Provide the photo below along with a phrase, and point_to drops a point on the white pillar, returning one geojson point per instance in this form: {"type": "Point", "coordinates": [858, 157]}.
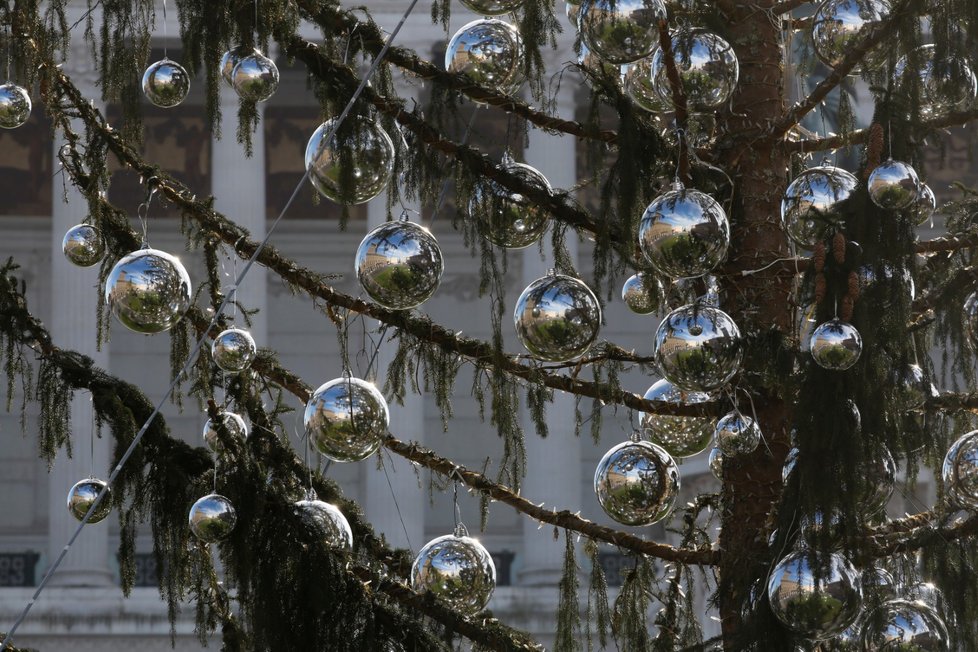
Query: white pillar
{"type": "Point", "coordinates": [554, 463]}
{"type": "Point", "coordinates": [238, 186]}
{"type": "Point", "coordinates": [74, 294]}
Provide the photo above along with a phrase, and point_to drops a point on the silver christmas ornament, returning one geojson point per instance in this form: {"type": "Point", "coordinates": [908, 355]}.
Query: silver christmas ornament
{"type": "Point", "coordinates": [684, 233]}
{"type": "Point", "coordinates": [492, 7]}
{"type": "Point", "coordinates": [812, 204]}
{"type": "Point", "coordinates": [737, 434]}
{"type": "Point", "coordinates": [508, 218]}
{"type": "Point", "coordinates": [806, 326]}
{"type": "Point", "coordinates": [637, 293]}
{"type": "Point", "coordinates": [327, 520]}
{"type": "Point", "coordinates": [212, 518]}
{"type": "Point", "coordinates": [960, 471]}
{"type": "Point", "coordinates": [893, 185]}
{"type": "Point", "coordinates": [838, 25]}
{"type": "Point", "coordinates": [233, 350]}
{"type": "Point", "coordinates": [815, 597]}
{"type": "Point", "coordinates": [876, 481]}
{"type": "Point", "coordinates": [621, 31]}
{"type": "Point", "coordinates": [233, 424]}
{"type": "Point", "coordinates": [166, 83]}
{"type": "Point", "coordinates": [490, 52]}
{"type": "Point", "coordinates": [707, 66]}
{"type": "Point", "coordinates": [925, 205]}
{"type": "Point", "coordinates": [716, 463]}
{"type": "Point", "coordinates": [399, 264]}
{"type": "Point", "coordinates": [970, 319]}
{"type": "Point", "coordinates": [878, 582]}
{"type": "Point", "coordinates": [905, 626]}
{"type": "Point", "coordinates": [255, 77]}
{"type": "Point", "coordinates": [82, 496]}
{"type": "Point", "coordinates": [573, 12]}
{"type": "Point", "coordinates": [557, 318]}
{"type": "Point", "coordinates": [230, 59]}
{"type": "Point", "coordinates": [456, 569]}
{"type": "Point", "coordinates": [790, 462]}
{"type": "Point", "coordinates": [942, 84]}
{"type": "Point", "coordinates": [898, 277]}
{"type": "Point", "coordinates": [698, 348]}
{"type": "Point", "coordinates": [637, 483]}
{"type": "Point", "coordinates": [836, 345]}
{"type": "Point", "coordinates": [640, 86]}
{"type": "Point", "coordinates": [927, 593]}
{"type": "Point", "coordinates": [148, 290]}
{"type": "Point", "coordinates": [346, 419]}
{"type": "Point", "coordinates": [354, 166]}
{"type": "Point", "coordinates": [83, 245]}
{"type": "Point", "coordinates": [598, 66]}
{"type": "Point", "coordinates": [15, 105]}
{"type": "Point", "coordinates": [911, 387]}
{"type": "Point", "coordinates": [680, 436]}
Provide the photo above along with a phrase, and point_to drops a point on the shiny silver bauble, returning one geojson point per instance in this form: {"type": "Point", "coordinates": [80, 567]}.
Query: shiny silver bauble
{"type": "Point", "coordinates": [698, 348]}
{"type": "Point", "coordinates": [640, 86]}
{"type": "Point", "coordinates": [573, 12]}
{"type": "Point", "coordinates": [680, 436]}
{"type": "Point", "coordinates": [621, 31]}
{"type": "Point", "coordinates": [82, 496]}
{"type": "Point", "coordinates": [707, 66]}
{"type": "Point", "coordinates": [838, 25]}
{"type": "Point", "coordinates": [716, 463]}
{"type": "Point", "coordinates": [15, 105]}
{"type": "Point", "coordinates": [893, 185]}
{"type": "Point", "coordinates": [233, 350]}
{"type": "Point", "coordinates": [925, 205]}
{"type": "Point", "coordinates": [836, 345]}
{"type": "Point", "coordinates": [212, 518]}
{"type": "Point", "coordinates": [346, 419]}
{"type": "Point", "coordinates": [354, 166]}
{"type": "Point", "coordinates": [944, 85]}
{"type": "Point", "coordinates": [457, 570]}
{"type": "Point", "coordinates": [166, 83]}
{"type": "Point", "coordinates": [234, 425]}
{"type": "Point", "coordinates": [255, 77]}
{"type": "Point", "coordinates": [876, 480]}
{"type": "Point", "coordinates": [557, 318]}
{"type": "Point", "coordinates": [637, 483]}
{"type": "Point", "coordinates": [684, 233]}
{"type": "Point", "coordinates": [969, 317]}
{"type": "Point", "coordinates": [597, 66]}
{"type": "Point", "coordinates": [737, 434]}
{"type": "Point", "coordinates": [327, 520]}
{"type": "Point", "coordinates": [399, 264]}
{"type": "Point", "coordinates": [812, 204]}
{"type": "Point", "coordinates": [508, 218]}
{"type": "Point", "coordinates": [960, 471]}
{"type": "Point", "coordinates": [148, 290]}
{"type": "Point", "coordinates": [790, 462]}
{"type": "Point", "coordinates": [492, 7]}
{"type": "Point", "coordinates": [638, 293]}
{"type": "Point", "coordinates": [490, 52]}
{"type": "Point", "coordinates": [815, 597]}
{"type": "Point", "coordinates": [899, 278]}
{"type": "Point", "coordinates": [230, 59]}
{"type": "Point", "coordinates": [911, 387]}
{"type": "Point", "coordinates": [83, 245]}
{"type": "Point", "coordinates": [905, 626]}
{"type": "Point", "coordinates": [878, 583]}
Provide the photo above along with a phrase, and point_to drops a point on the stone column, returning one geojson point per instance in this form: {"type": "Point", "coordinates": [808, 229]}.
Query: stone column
{"type": "Point", "coordinates": [553, 464]}
{"type": "Point", "coordinates": [74, 294]}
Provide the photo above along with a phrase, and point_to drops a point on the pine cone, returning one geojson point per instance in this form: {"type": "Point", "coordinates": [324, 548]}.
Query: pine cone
{"type": "Point", "coordinates": [839, 247]}
{"type": "Point", "coordinates": [819, 257]}
{"type": "Point", "coordinates": [819, 287]}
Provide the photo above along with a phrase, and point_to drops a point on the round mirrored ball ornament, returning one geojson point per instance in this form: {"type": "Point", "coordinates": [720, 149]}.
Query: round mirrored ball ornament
{"type": "Point", "coordinates": [490, 52]}
{"type": "Point", "coordinates": [82, 496]}
{"type": "Point", "coordinates": [346, 419]}
{"type": "Point", "coordinates": [233, 424]}
{"type": "Point", "coordinates": [492, 7]}
{"type": "Point", "coordinates": [621, 31]}
{"type": "Point", "coordinates": [737, 434]}
{"type": "Point", "coordinates": [640, 86]}
{"type": "Point", "coordinates": [457, 570]}
{"type": "Point", "coordinates": [838, 25]}
{"type": "Point", "coordinates": [399, 265]}
{"type": "Point", "coordinates": [680, 436]}
{"type": "Point", "coordinates": [212, 518]}
{"type": "Point", "coordinates": [815, 598]}
{"type": "Point", "coordinates": [925, 205]}
{"type": "Point", "coordinates": [83, 245]}
{"type": "Point", "coordinates": [255, 77]}
{"type": "Point", "coordinates": [960, 471]}
{"type": "Point", "coordinates": [684, 233]}
{"type": "Point", "coordinates": [698, 348]}
{"type": "Point", "coordinates": [166, 83]}
{"type": "Point", "coordinates": [911, 388]}
{"type": "Point", "coordinates": [327, 520]}
{"type": "Point", "coordinates": [637, 483]}
{"type": "Point", "coordinates": [716, 463]}
{"type": "Point", "coordinates": [15, 105]}
{"type": "Point", "coordinates": [233, 350]}
{"type": "Point", "coordinates": [904, 625]}
{"type": "Point", "coordinates": [812, 204]}
{"type": "Point", "coordinates": [969, 317]}
{"type": "Point", "coordinates": [639, 292]}
{"type": "Point", "coordinates": [875, 481]}
{"type": "Point", "coordinates": [148, 290]}
{"type": "Point", "coordinates": [557, 318]}
{"type": "Point", "coordinates": [836, 345]}
{"type": "Point", "coordinates": [230, 59]}
{"type": "Point", "coordinates": [707, 67]}
{"type": "Point", "coordinates": [893, 185]}
{"type": "Point", "coordinates": [509, 219]}
{"type": "Point", "coordinates": [941, 85]}
{"type": "Point", "coordinates": [354, 166]}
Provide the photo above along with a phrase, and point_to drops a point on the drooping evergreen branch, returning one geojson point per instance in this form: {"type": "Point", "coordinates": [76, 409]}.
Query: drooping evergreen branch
{"type": "Point", "coordinates": [961, 279]}
{"type": "Point", "coordinates": [953, 242]}
{"type": "Point", "coordinates": [787, 6]}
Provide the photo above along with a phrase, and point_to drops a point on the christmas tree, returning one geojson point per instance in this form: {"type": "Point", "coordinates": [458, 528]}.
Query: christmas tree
{"type": "Point", "coordinates": [799, 312]}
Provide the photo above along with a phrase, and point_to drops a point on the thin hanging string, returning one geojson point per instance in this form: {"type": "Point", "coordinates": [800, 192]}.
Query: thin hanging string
{"type": "Point", "coordinates": [191, 358]}
{"type": "Point", "coordinates": [459, 526]}
{"type": "Point", "coordinates": [142, 212]}
{"type": "Point", "coordinates": [6, 33]}
{"type": "Point", "coordinates": [383, 465]}
{"type": "Point", "coordinates": [91, 449]}
{"type": "Point", "coordinates": [165, 38]}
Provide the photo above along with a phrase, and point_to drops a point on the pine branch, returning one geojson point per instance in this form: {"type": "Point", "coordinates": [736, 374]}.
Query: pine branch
{"type": "Point", "coordinates": [963, 278]}
{"type": "Point", "coordinates": [954, 402]}
{"type": "Point", "coordinates": [918, 532]}
{"type": "Point", "coordinates": [787, 6]}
